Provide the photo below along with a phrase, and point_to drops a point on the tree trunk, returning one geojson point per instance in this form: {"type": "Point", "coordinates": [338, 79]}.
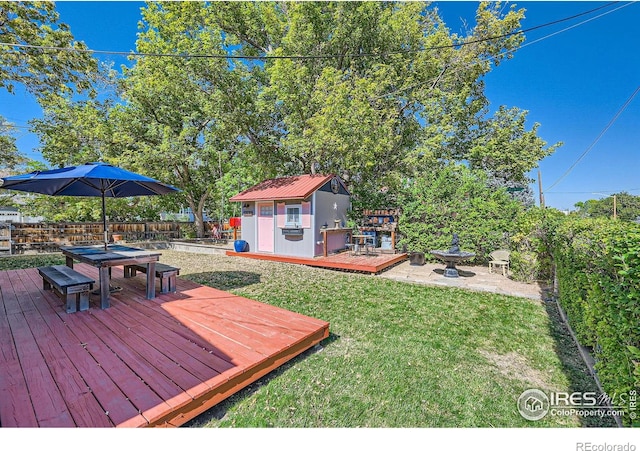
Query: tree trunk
{"type": "Point", "coordinates": [198, 215]}
{"type": "Point", "coordinates": [199, 223]}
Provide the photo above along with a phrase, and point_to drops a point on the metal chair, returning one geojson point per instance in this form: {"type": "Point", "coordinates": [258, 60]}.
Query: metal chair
{"type": "Point", "coordinates": [500, 259]}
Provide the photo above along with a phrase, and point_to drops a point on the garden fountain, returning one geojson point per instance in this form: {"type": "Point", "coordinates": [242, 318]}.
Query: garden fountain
{"type": "Point", "coordinates": [452, 256]}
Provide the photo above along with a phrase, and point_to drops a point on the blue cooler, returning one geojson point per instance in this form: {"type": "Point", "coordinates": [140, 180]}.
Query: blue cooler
{"type": "Point", "coordinates": [240, 245]}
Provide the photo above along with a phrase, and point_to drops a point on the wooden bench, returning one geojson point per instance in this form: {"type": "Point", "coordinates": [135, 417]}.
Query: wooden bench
{"type": "Point", "coordinates": [71, 286]}
{"type": "Point", "coordinates": [167, 275]}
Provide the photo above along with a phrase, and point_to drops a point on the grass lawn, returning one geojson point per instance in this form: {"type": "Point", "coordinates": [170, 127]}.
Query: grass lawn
{"type": "Point", "coordinates": [399, 354]}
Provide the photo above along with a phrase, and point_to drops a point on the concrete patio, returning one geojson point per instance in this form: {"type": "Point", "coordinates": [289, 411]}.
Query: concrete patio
{"type": "Point", "coordinates": [471, 277]}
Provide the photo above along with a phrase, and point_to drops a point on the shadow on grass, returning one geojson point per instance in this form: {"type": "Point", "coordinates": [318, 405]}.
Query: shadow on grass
{"type": "Point", "coordinates": [225, 280]}
{"type": "Point", "coordinates": [573, 365]}
{"type": "Point", "coordinates": [219, 411]}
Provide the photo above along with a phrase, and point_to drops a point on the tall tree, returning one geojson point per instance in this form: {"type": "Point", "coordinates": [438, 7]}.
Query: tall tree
{"type": "Point", "coordinates": [377, 91]}
{"type": "Point", "coordinates": [39, 53]}
{"type": "Point", "coordinates": [77, 131]}
{"type": "Point", "coordinates": [330, 106]}
{"type": "Point", "coordinates": [627, 207]}
{"type": "Point", "coordinates": [9, 155]}
{"type": "Point", "coordinates": [506, 149]}
{"type": "Point", "coordinates": [183, 116]}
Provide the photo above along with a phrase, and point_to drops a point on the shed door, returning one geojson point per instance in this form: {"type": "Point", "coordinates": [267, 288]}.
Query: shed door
{"type": "Point", "coordinates": [265, 226]}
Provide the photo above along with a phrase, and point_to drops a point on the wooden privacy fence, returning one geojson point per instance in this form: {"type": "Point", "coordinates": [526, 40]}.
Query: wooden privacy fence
{"type": "Point", "coordinates": [48, 236]}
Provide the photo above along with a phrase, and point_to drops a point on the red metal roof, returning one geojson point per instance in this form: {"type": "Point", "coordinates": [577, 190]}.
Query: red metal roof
{"type": "Point", "coordinates": [295, 187]}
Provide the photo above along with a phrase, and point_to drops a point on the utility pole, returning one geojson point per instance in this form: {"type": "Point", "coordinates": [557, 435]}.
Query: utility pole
{"type": "Point", "coordinates": [540, 188]}
{"type": "Point", "coordinates": [615, 203]}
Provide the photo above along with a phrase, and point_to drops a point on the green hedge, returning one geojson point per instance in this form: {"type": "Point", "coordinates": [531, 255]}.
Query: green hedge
{"type": "Point", "coordinates": [531, 244]}
{"type": "Point", "coordinates": [458, 200]}
{"type": "Point", "coordinates": [598, 273]}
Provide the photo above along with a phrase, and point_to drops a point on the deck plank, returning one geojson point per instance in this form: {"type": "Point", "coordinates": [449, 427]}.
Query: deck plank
{"type": "Point", "coordinates": [145, 401]}
{"type": "Point", "coordinates": [372, 264]}
{"type": "Point", "coordinates": [167, 307]}
{"type": "Point", "coordinates": [15, 405]}
{"type": "Point", "coordinates": [196, 360]}
{"type": "Point", "coordinates": [164, 376]}
{"type": "Point", "coordinates": [82, 405]}
{"type": "Point", "coordinates": [142, 362]}
{"type": "Point", "coordinates": [114, 404]}
{"type": "Point", "coordinates": [48, 403]}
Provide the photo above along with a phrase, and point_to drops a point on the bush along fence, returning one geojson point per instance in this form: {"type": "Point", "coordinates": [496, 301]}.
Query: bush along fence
{"type": "Point", "coordinates": [598, 281]}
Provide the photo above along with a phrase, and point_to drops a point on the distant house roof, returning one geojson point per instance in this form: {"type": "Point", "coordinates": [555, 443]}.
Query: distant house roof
{"type": "Point", "coordinates": [8, 208]}
{"type": "Point", "coordinates": [295, 187]}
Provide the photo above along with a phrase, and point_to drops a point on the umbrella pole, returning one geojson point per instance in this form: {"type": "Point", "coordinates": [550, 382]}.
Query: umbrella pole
{"type": "Point", "coordinates": [104, 222]}
{"type": "Point", "coordinates": [112, 289]}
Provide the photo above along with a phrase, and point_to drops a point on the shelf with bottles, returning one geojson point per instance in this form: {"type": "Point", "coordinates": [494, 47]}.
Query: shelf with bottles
{"type": "Point", "coordinates": [384, 218]}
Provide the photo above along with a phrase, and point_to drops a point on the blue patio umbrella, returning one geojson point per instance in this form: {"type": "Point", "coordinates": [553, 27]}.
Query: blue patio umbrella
{"type": "Point", "coordinates": [88, 180]}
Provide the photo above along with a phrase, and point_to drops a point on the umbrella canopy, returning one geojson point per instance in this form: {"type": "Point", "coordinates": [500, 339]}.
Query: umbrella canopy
{"type": "Point", "coordinates": [89, 180]}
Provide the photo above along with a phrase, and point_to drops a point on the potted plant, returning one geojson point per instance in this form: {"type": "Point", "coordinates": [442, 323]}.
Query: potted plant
{"type": "Point", "coordinates": [416, 258]}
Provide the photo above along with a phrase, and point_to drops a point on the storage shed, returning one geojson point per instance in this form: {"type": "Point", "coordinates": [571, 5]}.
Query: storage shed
{"type": "Point", "coordinates": [301, 216]}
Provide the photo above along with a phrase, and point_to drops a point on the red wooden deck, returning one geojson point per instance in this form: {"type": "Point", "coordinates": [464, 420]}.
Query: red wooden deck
{"type": "Point", "coordinates": [142, 362]}
{"type": "Point", "coordinates": [344, 260]}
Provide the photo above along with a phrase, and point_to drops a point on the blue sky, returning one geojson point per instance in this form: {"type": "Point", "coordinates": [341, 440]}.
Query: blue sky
{"type": "Point", "coordinates": [573, 78]}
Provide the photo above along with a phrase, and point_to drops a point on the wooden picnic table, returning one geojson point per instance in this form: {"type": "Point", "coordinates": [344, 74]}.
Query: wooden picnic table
{"type": "Point", "coordinates": [115, 255]}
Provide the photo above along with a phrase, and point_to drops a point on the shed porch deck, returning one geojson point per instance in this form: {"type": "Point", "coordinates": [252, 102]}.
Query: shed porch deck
{"type": "Point", "coordinates": [141, 362]}
{"type": "Point", "coordinates": [344, 260]}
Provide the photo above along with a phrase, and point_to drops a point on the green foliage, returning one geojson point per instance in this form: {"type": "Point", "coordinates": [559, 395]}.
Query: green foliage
{"type": "Point", "coordinates": [531, 244]}
{"type": "Point", "coordinates": [89, 209]}
{"type": "Point", "coordinates": [627, 207]}
{"type": "Point", "coordinates": [40, 71]}
{"type": "Point", "coordinates": [506, 149]}
{"type": "Point", "coordinates": [184, 118]}
{"type": "Point", "coordinates": [456, 199]}
{"type": "Point", "coordinates": [393, 114]}
{"type": "Point", "coordinates": [77, 132]}
{"type": "Point", "coordinates": [598, 272]}
{"type": "Point", "coordinates": [9, 155]}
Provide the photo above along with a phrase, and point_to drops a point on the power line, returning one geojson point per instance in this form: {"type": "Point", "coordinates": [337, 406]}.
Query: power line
{"type": "Point", "coordinates": [611, 122]}
{"type": "Point", "coordinates": [601, 191]}
{"type": "Point", "coordinates": [575, 25]}
{"type": "Point", "coordinates": [301, 57]}
{"type": "Point", "coordinates": [10, 125]}
{"type": "Point", "coordinates": [495, 57]}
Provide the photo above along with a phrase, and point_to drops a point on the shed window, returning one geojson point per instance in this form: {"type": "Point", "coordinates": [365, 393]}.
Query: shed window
{"type": "Point", "coordinates": [266, 210]}
{"type": "Point", "coordinates": [293, 216]}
